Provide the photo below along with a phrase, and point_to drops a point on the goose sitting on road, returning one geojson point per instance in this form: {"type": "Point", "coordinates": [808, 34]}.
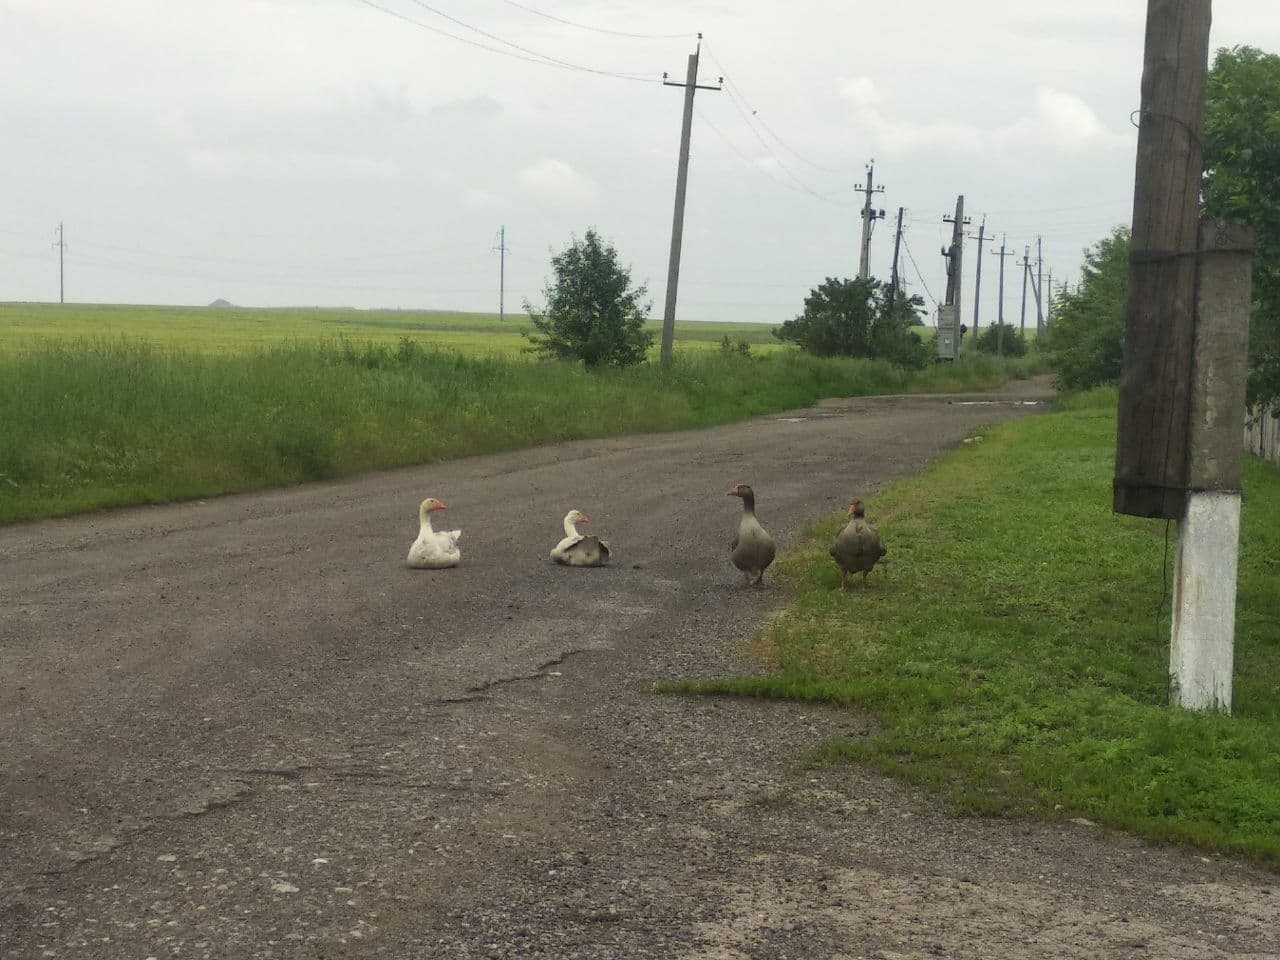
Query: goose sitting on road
{"type": "Point", "coordinates": [858, 547]}
{"type": "Point", "coordinates": [579, 549]}
{"type": "Point", "coordinates": [752, 548]}
{"type": "Point", "coordinates": [434, 549]}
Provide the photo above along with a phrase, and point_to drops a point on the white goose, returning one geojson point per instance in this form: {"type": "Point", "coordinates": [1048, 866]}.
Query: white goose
{"type": "Point", "coordinates": [434, 549]}
{"type": "Point", "coordinates": [578, 549]}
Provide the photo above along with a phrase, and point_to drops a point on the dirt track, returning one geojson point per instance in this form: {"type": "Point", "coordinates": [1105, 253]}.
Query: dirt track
{"type": "Point", "coordinates": [242, 728]}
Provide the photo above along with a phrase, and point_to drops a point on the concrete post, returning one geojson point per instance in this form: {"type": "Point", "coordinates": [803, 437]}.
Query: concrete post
{"type": "Point", "coordinates": [677, 223]}
{"type": "Point", "coordinates": [1204, 599]}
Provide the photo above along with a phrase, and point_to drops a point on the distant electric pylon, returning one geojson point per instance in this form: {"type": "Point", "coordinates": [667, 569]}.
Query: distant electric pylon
{"type": "Point", "coordinates": [61, 244]}
{"type": "Point", "coordinates": [502, 249]}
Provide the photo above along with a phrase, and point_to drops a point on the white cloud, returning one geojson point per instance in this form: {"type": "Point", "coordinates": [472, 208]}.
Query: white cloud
{"type": "Point", "coordinates": [1064, 120]}
{"type": "Point", "coordinates": [1058, 119]}
{"type": "Point", "coordinates": [555, 180]}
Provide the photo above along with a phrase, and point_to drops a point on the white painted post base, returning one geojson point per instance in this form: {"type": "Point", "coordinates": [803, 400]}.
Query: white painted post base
{"type": "Point", "coordinates": [1202, 655]}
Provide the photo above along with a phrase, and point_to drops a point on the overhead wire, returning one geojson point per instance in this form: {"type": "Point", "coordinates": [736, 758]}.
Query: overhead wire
{"type": "Point", "coordinates": [525, 54]}
{"type": "Point", "coordinates": [739, 106]}
{"type": "Point", "coordinates": [742, 156]}
{"type": "Point", "coordinates": [583, 26]}
{"type": "Point", "coordinates": [919, 276]}
{"type": "Point", "coordinates": [755, 114]}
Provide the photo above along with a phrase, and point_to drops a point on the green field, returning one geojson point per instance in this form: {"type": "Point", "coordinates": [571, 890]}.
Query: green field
{"type": "Point", "coordinates": [229, 329]}
{"type": "Point", "coordinates": [1009, 649]}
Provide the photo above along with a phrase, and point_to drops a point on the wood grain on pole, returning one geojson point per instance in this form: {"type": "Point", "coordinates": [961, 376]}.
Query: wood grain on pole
{"type": "Point", "coordinates": [1151, 473]}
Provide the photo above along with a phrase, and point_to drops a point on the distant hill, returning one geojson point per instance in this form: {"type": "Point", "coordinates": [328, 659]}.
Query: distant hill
{"type": "Point", "coordinates": [220, 303]}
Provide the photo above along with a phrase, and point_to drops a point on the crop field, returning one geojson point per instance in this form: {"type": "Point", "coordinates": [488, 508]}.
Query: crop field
{"type": "Point", "coordinates": [212, 330]}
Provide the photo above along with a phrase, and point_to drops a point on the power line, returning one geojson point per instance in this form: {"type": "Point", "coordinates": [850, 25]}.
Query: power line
{"type": "Point", "coordinates": [768, 129]}
{"type": "Point", "coordinates": [919, 275]}
{"type": "Point", "coordinates": [742, 156]}
{"type": "Point", "coordinates": [583, 26]}
{"type": "Point", "coordinates": [742, 112]}
{"type": "Point", "coordinates": [515, 46]}
{"type": "Point", "coordinates": [529, 56]}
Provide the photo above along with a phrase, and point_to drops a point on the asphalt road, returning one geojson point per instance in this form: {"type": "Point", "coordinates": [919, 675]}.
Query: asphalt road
{"type": "Point", "coordinates": [243, 728]}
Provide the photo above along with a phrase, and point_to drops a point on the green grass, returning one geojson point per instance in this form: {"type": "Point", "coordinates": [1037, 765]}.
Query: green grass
{"type": "Point", "coordinates": [98, 423]}
{"type": "Point", "coordinates": [1008, 644]}
{"type": "Point", "coordinates": [236, 329]}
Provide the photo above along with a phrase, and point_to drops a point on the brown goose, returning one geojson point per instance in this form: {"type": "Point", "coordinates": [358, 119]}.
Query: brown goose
{"type": "Point", "coordinates": [579, 549]}
{"type": "Point", "coordinates": [857, 547]}
{"type": "Point", "coordinates": [752, 547]}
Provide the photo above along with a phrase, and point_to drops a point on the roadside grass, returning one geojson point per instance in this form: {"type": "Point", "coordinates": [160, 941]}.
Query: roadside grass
{"type": "Point", "coordinates": [98, 423]}
{"type": "Point", "coordinates": [1008, 644]}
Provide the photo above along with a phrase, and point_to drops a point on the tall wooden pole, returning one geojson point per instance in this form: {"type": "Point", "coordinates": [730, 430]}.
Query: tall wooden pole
{"type": "Point", "coordinates": [869, 217]}
{"type": "Point", "coordinates": [1004, 252]}
{"type": "Point", "coordinates": [977, 279]}
{"type": "Point", "coordinates": [677, 224]}
{"type": "Point", "coordinates": [1026, 270]}
{"type": "Point", "coordinates": [62, 248]}
{"type": "Point", "coordinates": [948, 337]}
{"type": "Point", "coordinates": [502, 273]}
{"type": "Point", "coordinates": [893, 274]}
{"type": "Point", "coordinates": [1155, 379]}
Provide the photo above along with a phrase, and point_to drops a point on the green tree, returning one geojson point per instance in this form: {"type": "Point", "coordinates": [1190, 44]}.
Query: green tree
{"type": "Point", "coordinates": [1242, 182]}
{"type": "Point", "coordinates": [853, 318]}
{"type": "Point", "coordinates": [1004, 337]}
{"type": "Point", "coordinates": [1085, 342]}
{"type": "Point", "coordinates": [592, 313]}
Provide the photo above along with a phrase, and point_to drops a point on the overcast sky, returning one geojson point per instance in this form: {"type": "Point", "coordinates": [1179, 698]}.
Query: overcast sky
{"type": "Point", "coordinates": [347, 153]}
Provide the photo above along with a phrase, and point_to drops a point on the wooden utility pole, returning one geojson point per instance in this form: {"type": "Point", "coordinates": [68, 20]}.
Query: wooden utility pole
{"type": "Point", "coordinates": [1182, 379]}
{"type": "Point", "coordinates": [977, 279]}
{"type": "Point", "coordinates": [893, 274]}
{"type": "Point", "coordinates": [61, 244]}
{"type": "Point", "coordinates": [1026, 270]}
{"type": "Point", "coordinates": [1048, 306]}
{"type": "Point", "coordinates": [1155, 377]}
{"type": "Point", "coordinates": [1001, 253]}
{"type": "Point", "coordinates": [682, 176]}
{"type": "Point", "coordinates": [869, 217]}
{"type": "Point", "coordinates": [949, 312]}
{"type": "Point", "coordinates": [1039, 287]}
{"type": "Point", "coordinates": [502, 272]}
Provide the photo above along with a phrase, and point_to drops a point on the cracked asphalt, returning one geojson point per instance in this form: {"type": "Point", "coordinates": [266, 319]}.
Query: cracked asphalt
{"type": "Point", "coordinates": [242, 728]}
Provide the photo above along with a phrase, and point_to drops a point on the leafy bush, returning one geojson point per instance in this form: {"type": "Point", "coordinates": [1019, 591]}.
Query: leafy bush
{"type": "Point", "coordinates": [1085, 342]}
{"type": "Point", "coordinates": [591, 312]}
{"type": "Point", "coordinates": [1242, 164]}
{"type": "Point", "coordinates": [1002, 339]}
{"type": "Point", "coordinates": [853, 318]}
